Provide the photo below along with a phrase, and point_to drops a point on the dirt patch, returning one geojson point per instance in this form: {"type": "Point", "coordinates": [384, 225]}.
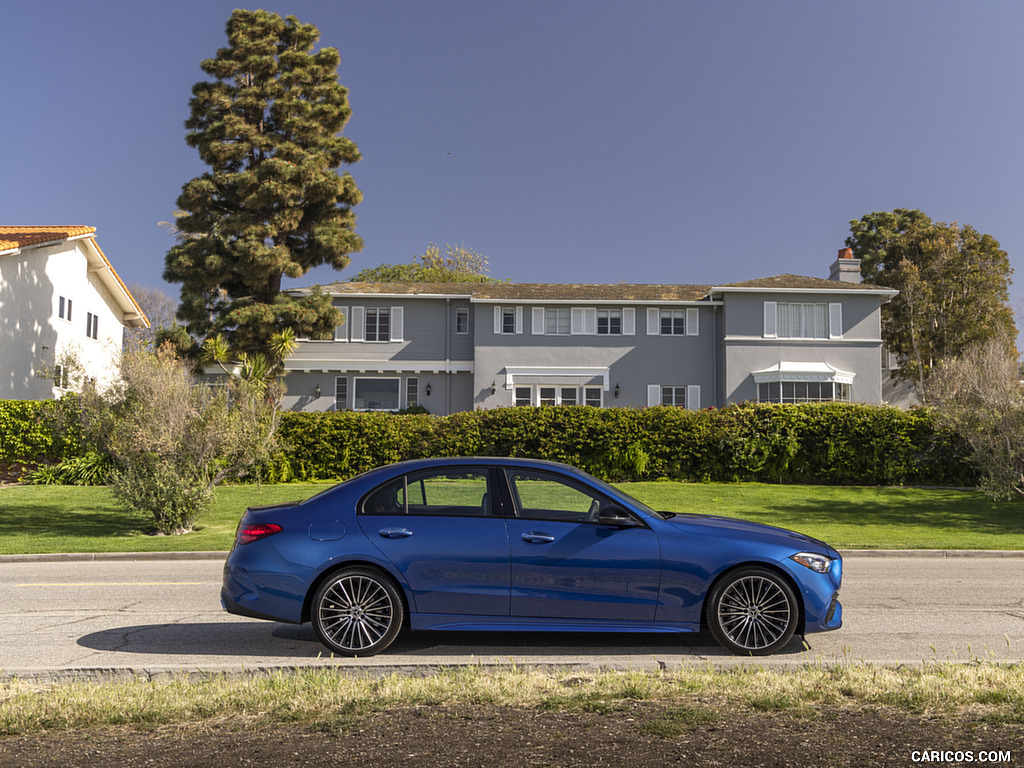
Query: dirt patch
{"type": "Point", "coordinates": [637, 735]}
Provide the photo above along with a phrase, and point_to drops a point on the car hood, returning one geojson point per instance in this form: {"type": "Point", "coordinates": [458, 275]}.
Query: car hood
{"type": "Point", "coordinates": [713, 525]}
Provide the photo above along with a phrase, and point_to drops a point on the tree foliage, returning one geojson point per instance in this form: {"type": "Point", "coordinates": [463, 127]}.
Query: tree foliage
{"type": "Point", "coordinates": [173, 439]}
{"type": "Point", "coordinates": [272, 203]}
{"type": "Point", "coordinates": [953, 284]}
{"type": "Point", "coordinates": [458, 264]}
{"type": "Point", "coordinates": [979, 395]}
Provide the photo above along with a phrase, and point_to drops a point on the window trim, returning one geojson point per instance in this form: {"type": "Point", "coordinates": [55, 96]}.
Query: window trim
{"type": "Point", "coordinates": [355, 392]}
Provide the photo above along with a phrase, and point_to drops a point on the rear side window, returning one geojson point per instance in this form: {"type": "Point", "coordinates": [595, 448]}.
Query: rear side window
{"type": "Point", "coordinates": [452, 492]}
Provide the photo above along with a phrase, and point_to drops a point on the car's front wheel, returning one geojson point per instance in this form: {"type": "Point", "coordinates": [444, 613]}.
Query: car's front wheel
{"type": "Point", "coordinates": [357, 612]}
{"type": "Point", "coordinates": [752, 611]}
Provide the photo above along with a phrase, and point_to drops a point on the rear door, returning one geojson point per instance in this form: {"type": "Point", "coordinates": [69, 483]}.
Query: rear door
{"type": "Point", "coordinates": [441, 531]}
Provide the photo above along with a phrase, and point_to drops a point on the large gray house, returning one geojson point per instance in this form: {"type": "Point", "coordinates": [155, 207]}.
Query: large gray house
{"type": "Point", "coordinates": [461, 346]}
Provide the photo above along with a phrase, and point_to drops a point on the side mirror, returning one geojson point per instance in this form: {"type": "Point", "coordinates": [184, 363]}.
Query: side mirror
{"type": "Point", "coordinates": [618, 517]}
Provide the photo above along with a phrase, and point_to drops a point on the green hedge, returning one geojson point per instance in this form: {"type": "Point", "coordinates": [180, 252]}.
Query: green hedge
{"type": "Point", "coordinates": [37, 430]}
{"type": "Point", "coordinates": [822, 443]}
{"type": "Point", "coordinates": [836, 444]}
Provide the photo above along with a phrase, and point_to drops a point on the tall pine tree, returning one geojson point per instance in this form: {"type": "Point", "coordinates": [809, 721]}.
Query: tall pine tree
{"type": "Point", "coordinates": [268, 125]}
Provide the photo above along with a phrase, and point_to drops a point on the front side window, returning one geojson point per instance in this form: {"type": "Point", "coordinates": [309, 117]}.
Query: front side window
{"type": "Point", "coordinates": [64, 308]}
{"type": "Point", "coordinates": [541, 496]}
{"type": "Point", "coordinates": [592, 396]}
{"type": "Point", "coordinates": [92, 325]}
{"type": "Point", "coordinates": [378, 324]}
{"type": "Point", "coordinates": [377, 394]}
{"type": "Point", "coordinates": [462, 321]}
{"type": "Point", "coordinates": [412, 391]}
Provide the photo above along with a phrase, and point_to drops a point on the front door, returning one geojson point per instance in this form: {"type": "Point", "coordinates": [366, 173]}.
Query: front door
{"type": "Point", "coordinates": [565, 564]}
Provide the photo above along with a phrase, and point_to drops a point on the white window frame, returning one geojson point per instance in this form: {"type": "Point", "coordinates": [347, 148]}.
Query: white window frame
{"type": "Point", "coordinates": [462, 321]}
{"type": "Point", "coordinates": [515, 317]}
{"type": "Point", "coordinates": [609, 316]}
{"type": "Point", "coordinates": [588, 396]}
{"type": "Point", "coordinates": [689, 315]}
{"type": "Point", "coordinates": [654, 395]}
{"type": "Point", "coordinates": [341, 393]}
{"type": "Point", "coordinates": [64, 306]}
{"type": "Point", "coordinates": [355, 392]}
{"type": "Point", "coordinates": [412, 391]}
{"type": "Point", "coordinates": [803, 320]}
{"type": "Point", "coordinates": [341, 331]}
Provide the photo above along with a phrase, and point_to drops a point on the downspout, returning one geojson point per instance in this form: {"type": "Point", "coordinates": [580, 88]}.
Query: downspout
{"type": "Point", "coordinates": [447, 355]}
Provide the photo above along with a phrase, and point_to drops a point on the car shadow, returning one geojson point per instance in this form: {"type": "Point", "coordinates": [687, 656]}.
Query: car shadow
{"type": "Point", "coordinates": [271, 639]}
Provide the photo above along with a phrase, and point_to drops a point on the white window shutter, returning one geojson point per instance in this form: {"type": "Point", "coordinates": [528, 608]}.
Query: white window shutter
{"type": "Point", "coordinates": [693, 397]}
{"type": "Point", "coordinates": [576, 321]}
{"type": "Point", "coordinates": [653, 394]}
{"type": "Point", "coordinates": [692, 321]}
{"type": "Point", "coordinates": [341, 331]}
{"type": "Point", "coordinates": [835, 321]}
{"type": "Point", "coordinates": [629, 321]}
{"type": "Point", "coordinates": [358, 323]}
{"type": "Point", "coordinates": [771, 318]}
{"type": "Point", "coordinates": [590, 321]}
{"type": "Point", "coordinates": [653, 321]}
{"type": "Point", "coordinates": [497, 320]}
{"type": "Point", "coordinates": [538, 321]}
{"type": "Point", "coordinates": [397, 323]}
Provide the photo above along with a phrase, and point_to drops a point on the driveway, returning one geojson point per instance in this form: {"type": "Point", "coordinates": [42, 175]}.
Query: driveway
{"type": "Point", "coordinates": [152, 617]}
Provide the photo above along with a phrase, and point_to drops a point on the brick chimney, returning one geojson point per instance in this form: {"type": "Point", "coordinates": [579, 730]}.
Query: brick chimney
{"type": "Point", "coordinates": [845, 269]}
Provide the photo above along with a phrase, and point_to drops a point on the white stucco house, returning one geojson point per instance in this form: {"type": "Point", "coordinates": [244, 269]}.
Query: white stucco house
{"type": "Point", "coordinates": [60, 299]}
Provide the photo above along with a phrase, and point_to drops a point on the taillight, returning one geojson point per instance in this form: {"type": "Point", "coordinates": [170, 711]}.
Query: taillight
{"type": "Point", "coordinates": [249, 532]}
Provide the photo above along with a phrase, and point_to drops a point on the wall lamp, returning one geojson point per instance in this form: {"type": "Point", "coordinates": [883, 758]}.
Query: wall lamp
{"type": "Point", "coordinates": [616, 390]}
{"type": "Point", "coordinates": [428, 390]}
{"type": "Point", "coordinates": [316, 392]}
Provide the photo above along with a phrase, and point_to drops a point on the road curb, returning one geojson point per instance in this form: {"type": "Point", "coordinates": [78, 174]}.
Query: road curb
{"type": "Point", "coordinates": [86, 557]}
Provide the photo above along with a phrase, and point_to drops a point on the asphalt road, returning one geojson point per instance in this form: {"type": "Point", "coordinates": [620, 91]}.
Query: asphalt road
{"type": "Point", "coordinates": [156, 617]}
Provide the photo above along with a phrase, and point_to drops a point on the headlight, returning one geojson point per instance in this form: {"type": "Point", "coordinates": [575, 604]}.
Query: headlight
{"type": "Point", "coordinates": [817, 563]}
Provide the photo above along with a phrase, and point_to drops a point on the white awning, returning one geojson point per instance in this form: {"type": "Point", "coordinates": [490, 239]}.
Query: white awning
{"type": "Point", "coordinates": [792, 371]}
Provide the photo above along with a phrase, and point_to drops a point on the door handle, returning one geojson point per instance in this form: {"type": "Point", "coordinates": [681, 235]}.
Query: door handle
{"type": "Point", "coordinates": [395, 533]}
{"type": "Point", "coordinates": [538, 538]}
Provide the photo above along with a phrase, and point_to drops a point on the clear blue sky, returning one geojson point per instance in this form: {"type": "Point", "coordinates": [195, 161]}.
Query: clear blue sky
{"type": "Point", "coordinates": [567, 140]}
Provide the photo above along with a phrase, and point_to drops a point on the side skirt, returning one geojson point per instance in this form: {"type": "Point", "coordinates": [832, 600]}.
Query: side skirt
{"type": "Point", "coordinates": [418, 621]}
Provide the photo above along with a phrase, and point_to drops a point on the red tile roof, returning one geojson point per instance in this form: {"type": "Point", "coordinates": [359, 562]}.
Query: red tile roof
{"type": "Point", "coordinates": [23, 237]}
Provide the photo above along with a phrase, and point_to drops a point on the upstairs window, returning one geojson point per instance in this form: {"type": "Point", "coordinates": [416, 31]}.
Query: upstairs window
{"type": "Point", "coordinates": [92, 325]}
{"type": "Point", "coordinates": [378, 324]}
{"type": "Point", "coordinates": [609, 322]}
{"type": "Point", "coordinates": [64, 309]}
{"type": "Point", "coordinates": [791, 320]}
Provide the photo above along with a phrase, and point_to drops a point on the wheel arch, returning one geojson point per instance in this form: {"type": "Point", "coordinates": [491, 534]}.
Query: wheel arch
{"type": "Point", "coordinates": [356, 563]}
{"type": "Point", "coordinates": [767, 565]}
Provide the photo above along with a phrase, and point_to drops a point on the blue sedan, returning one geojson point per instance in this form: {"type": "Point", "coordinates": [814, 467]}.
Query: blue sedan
{"type": "Point", "coordinates": [521, 545]}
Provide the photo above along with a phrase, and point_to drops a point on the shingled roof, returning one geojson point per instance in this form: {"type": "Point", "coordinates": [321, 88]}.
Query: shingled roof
{"type": "Point", "coordinates": [626, 292]}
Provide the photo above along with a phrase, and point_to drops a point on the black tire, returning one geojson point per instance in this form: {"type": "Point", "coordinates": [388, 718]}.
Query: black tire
{"type": "Point", "coordinates": [357, 612]}
{"type": "Point", "coordinates": [752, 611]}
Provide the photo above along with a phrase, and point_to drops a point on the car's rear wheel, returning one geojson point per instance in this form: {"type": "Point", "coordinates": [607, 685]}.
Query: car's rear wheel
{"type": "Point", "coordinates": [357, 612]}
{"type": "Point", "coordinates": [752, 611]}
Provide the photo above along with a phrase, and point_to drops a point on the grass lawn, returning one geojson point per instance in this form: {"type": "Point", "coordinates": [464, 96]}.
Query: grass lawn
{"type": "Point", "coordinates": [48, 519]}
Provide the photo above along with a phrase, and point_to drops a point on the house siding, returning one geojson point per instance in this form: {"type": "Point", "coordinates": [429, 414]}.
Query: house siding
{"type": "Point", "coordinates": [718, 340]}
